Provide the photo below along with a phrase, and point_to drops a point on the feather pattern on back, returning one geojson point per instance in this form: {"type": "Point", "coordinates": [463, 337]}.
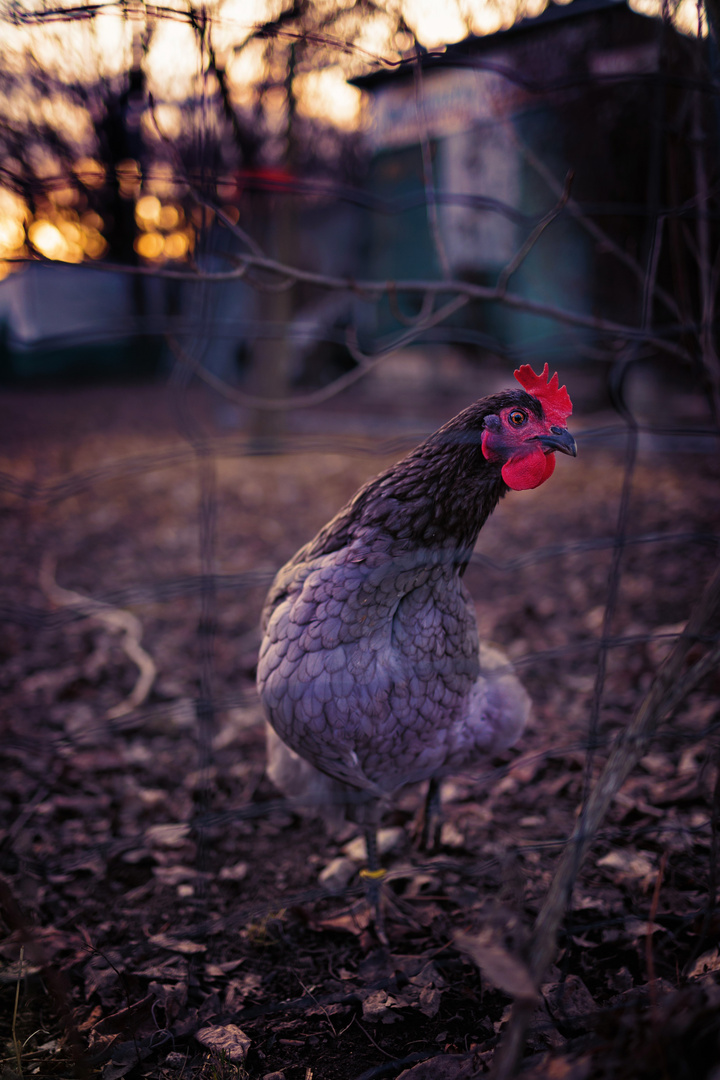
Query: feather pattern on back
{"type": "Point", "coordinates": [370, 668]}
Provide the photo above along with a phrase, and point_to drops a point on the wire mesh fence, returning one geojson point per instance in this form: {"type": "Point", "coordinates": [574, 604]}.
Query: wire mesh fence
{"type": "Point", "coordinates": [166, 912]}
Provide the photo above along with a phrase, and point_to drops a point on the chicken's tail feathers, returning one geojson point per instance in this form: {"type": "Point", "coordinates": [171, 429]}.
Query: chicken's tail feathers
{"type": "Point", "coordinates": [310, 792]}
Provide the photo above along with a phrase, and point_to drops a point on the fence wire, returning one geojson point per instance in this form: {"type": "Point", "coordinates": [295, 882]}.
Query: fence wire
{"type": "Point", "coordinates": [165, 912]}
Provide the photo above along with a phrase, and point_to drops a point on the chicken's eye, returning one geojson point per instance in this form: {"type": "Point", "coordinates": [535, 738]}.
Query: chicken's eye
{"type": "Point", "coordinates": [517, 417]}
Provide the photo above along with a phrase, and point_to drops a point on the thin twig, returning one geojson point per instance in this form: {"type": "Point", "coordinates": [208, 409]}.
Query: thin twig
{"type": "Point", "coordinates": [318, 1003]}
{"type": "Point", "coordinates": [379, 288]}
{"type": "Point", "coordinates": [533, 238]}
{"type": "Point", "coordinates": [376, 1045]}
{"type": "Point", "coordinates": [427, 165]}
{"type": "Point", "coordinates": [114, 619]}
{"type": "Point", "coordinates": [705, 929]}
{"type": "Point", "coordinates": [366, 363]}
{"type": "Point", "coordinates": [623, 518]}
{"type": "Point", "coordinates": [708, 351]}
{"type": "Point", "coordinates": [649, 959]}
{"type": "Point", "coordinates": [668, 689]}
{"type": "Point", "coordinates": [410, 320]}
{"type": "Point", "coordinates": [15, 1040]}
{"type": "Point", "coordinates": [603, 238]}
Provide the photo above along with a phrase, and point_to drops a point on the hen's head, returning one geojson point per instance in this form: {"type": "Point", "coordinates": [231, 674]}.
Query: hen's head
{"type": "Point", "coordinates": [525, 435]}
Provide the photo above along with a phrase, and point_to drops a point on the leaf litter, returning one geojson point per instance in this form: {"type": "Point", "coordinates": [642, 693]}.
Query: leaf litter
{"type": "Point", "coordinates": [175, 919]}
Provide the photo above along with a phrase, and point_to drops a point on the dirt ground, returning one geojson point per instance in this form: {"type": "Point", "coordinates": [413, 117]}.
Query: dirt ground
{"type": "Point", "coordinates": [165, 914]}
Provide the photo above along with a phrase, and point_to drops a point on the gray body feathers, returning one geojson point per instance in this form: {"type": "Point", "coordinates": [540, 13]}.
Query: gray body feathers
{"type": "Point", "coordinates": [370, 670]}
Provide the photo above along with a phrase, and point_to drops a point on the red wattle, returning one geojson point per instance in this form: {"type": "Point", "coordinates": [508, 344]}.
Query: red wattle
{"type": "Point", "coordinates": [528, 470]}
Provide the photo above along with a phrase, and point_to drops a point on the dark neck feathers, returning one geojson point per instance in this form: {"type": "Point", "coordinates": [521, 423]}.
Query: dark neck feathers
{"type": "Point", "coordinates": [439, 496]}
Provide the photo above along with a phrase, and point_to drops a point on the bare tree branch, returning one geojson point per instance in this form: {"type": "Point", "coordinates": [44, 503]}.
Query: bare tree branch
{"type": "Point", "coordinates": [376, 289]}
{"type": "Point", "coordinates": [365, 365]}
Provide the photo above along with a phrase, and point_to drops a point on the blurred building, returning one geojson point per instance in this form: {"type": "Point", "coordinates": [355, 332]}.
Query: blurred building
{"type": "Point", "coordinates": [589, 90]}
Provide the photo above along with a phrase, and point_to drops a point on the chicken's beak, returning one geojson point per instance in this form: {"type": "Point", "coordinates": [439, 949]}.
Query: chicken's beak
{"type": "Point", "coordinates": [559, 439]}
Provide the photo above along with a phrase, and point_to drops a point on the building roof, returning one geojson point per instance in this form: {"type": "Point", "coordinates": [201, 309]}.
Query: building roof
{"type": "Point", "coordinates": [457, 53]}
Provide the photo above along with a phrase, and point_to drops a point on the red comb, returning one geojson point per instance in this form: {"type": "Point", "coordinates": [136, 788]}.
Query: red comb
{"type": "Point", "coordinates": [555, 399]}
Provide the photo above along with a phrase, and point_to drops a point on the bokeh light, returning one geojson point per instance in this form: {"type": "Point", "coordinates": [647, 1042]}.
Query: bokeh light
{"type": "Point", "coordinates": [325, 95]}
{"type": "Point", "coordinates": [436, 24]}
{"type": "Point", "coordinates": [47, 239]}
{"type": "Point", "coordinates": [176, 245]}
{"type": "Point", "coordinates": [147, 212]}
{"type": "Point", "coordinates": [13, 216]}
{"type": "Point", "coordinates": [169, 217]}
{"type": "Point", "coordinates": [149, 245]}
{"type": "Point", "coordinates": [68, 97]}
{"type": "Point", "coordinates": [12, 235]}
{"type": "Point", "coordinates": [161, 234]}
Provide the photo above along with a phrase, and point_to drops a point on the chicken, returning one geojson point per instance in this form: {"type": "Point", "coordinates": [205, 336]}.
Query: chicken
{"type": "Point", "coordinates": [370, 669]}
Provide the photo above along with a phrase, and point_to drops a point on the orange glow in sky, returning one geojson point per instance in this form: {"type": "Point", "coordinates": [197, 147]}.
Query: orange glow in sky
{"type": "Point", "coordinates": [86, 51]}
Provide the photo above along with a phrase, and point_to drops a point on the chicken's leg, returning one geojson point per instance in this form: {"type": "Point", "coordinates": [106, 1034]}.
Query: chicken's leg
{"type": "Point", "coordinates": [429, 821]}
{"type": "Point", "coordinates": [373, 874]}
